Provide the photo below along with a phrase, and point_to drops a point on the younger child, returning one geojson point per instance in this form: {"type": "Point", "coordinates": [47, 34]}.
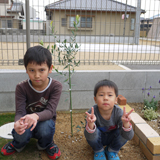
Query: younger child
{"type": "Point", "coordinates": [36, 102]}
{"type": "Point", "coordinates": [107, 124]}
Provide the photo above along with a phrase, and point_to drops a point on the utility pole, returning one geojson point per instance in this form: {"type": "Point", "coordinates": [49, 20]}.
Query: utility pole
{"type": "Point", "coordinates": [137, 25]}
{"type": "Point", "coordinates": [27, 24]}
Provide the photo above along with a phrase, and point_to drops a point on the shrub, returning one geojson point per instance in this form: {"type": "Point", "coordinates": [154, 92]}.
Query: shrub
{"type": "Point", "coordinates": [148, 104]}
{"type": "Point", "coordinates": [150, 114]}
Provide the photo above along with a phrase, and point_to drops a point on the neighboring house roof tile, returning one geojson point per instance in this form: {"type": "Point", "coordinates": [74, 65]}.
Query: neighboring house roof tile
{"type": "Point", "coordinates": [93, 5]}
{"type": "Point", "coordinates": [15, 8]}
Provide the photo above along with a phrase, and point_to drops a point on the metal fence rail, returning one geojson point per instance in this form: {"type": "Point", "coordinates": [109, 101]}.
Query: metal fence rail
{"type": "Point", "coordinates": [110, 31]}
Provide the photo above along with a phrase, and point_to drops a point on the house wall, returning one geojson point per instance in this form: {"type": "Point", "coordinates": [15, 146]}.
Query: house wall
{"type": "Point", "coordinates": [34, 24]}
{"type": "Point", "coordinates": [3, 12]}
{"type": "Point", "coordinates": [109, 23]}
{"type": "Point", "coordinates": [3, 8]}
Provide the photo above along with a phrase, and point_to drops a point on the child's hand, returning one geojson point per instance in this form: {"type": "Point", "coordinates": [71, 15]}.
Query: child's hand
{"type": "Point", "coordinates": [126, 118]}
{"type": "Point", "coordinates": [91, 118]}
{"type": "Point", "coordinates": [30, 119]}
{"type": "Point", "coordinates": [20, 127]}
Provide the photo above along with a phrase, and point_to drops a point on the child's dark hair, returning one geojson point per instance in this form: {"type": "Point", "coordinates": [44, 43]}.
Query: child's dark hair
{"type": "Point", "coordinates": [107, 83]}
{"type": "Point", "coordinates": [39, 55]}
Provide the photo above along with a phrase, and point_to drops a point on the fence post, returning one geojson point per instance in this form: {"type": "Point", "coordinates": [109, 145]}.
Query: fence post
{"type": "Point", "coordinates": [125, 19]}
{"type": "Point", "coordinates": [27, 24]}
{"type": "Point", "coordinates": [137, 26]}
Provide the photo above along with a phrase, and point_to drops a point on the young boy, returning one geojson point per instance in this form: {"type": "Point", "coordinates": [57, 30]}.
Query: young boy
{"type": "Point", "coordinates": [107, 124]}
{"type": "Point", "coordinates": [36, 102]}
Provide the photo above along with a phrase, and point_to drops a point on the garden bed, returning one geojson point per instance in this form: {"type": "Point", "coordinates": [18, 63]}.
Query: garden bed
{"type": "Point", "coordinates": [76, 147]}
{"type": "Point", "coordinates": [155, 124]}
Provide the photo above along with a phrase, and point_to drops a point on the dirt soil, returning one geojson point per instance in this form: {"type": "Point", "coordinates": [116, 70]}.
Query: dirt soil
{"type": "Point", "coordinates": [76, 147]}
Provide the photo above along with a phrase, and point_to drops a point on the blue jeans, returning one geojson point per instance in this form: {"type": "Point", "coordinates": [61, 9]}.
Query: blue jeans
{"type": "Point", "coordinates": [43, 131]}
{"type": "Point", "coordinates": [113, 140]}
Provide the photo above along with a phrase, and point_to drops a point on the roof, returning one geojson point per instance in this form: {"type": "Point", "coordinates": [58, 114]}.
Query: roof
{"type": "Point", "coordinates": [16, 8]}
{"type": "Point", "coordinates": [91, 5]}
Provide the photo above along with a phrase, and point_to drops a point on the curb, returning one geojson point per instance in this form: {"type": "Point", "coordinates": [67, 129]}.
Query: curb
{"type": "Point", "coordinates": [145, 136]}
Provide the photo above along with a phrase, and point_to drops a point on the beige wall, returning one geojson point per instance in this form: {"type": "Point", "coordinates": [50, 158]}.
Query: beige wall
{"type": "Point", "coordinates": [102, 23]}
{"type": "Point", "coordinates": [15, 22]}
{"type": "Point", "coordinates": [3, 8]}
{"type": "Point", "coordinates": [143, 33]}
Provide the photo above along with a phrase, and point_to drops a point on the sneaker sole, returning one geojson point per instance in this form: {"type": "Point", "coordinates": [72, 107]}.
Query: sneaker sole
{"type": "Point", "coordinates": [56, 155]}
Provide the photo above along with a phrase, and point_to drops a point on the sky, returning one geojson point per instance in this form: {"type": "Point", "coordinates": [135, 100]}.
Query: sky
{"type": "Point", "coordinates": [152, 7]}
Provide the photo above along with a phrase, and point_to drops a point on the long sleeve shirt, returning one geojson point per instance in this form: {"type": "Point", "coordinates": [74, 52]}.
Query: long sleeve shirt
{"type": "Point", "coordinates": [43, 103]}
{"type": "Point", "coordinates": [107, 125]}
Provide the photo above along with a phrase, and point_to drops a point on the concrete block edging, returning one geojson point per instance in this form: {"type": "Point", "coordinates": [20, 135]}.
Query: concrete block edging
{"type": "Point", "coordinates": [145, 136]}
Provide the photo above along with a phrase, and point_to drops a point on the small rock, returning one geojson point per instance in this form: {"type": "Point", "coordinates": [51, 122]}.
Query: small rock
{"type": "Point", "coordinates": [62, 132]}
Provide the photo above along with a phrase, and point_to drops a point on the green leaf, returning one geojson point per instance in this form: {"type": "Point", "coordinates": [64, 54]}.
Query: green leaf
{"type": "Point", "coordinates": [51, 23]}
{"type": "Point", "coordinates": [65, 41]}
{"type": "Point", "coordinates": [82, 122]}
{"type": "Point", "coordinates": [65, 67]}
{"type": "Point", "coordinates": [48, 47]}
{"type": "Point", "coordinates": [65, 80]}
{"type": "Point", "coordinates": [41, 42]}
{"type": "Point", "coordinates": [78, 127]}
{"type": "Point", "coordinates": [76, 46]}
{"type": "Point", "coordinates": [72, 33]}
{"type": "Point", "coordinates": [54, 46]}
{"type": "Point", "coordinates": [77, 18]}
{"type": "Point", "coordinates": [56, 70]}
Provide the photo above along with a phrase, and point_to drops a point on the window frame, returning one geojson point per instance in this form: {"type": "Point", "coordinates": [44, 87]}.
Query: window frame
{"type": "Point", "coordinates": [80, 27]}
{"type": "Point", "coordinates": [132, 27]}
{"type": "Point", "coordinates": [7, 22]}
{"type": "Point", "coordinates": [64, 22]}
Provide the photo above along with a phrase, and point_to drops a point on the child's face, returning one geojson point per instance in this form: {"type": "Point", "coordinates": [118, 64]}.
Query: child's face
{"type": "Point", "coordinates": [105, 98]}
{"type": "Point", "coordinates": [38, 74]}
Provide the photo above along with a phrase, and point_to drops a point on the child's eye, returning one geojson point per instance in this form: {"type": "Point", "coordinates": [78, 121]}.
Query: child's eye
{"type": "Point", "coordinates": [31, 70]}
{"type": "Point", "coordinates": [42, 70]}
{"type": "Point", "coordinates": [101, 95]}
{"type": "Point", "coordinates": [110, 95]}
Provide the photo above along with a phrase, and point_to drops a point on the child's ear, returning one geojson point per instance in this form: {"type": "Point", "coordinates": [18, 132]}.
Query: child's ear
{"type": "Point", "coordinates": [95, 100]}
{"type": "Point", "coordinates": [50, 70]}
{"type": "Point", "coordinates": [116, 100]}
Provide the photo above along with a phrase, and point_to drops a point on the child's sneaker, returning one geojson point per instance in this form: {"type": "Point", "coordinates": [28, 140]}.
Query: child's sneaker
{"type": "Point", "coordinates": [111, 155]}
{"type": "Point", "coordinates": [8, 149]}
{"type": "Point", "coordinates": [99, 156]}
{"type": "Point", "coordinates": [53, 151]}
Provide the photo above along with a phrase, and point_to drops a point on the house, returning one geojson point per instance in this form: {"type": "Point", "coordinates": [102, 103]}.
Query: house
{"type": "Point", "coordinates": [98, 17]}
{"type": "Point", "coordinates": [154, 32]}
{"type": "Point", "coordinates": [12, 17]}
{"type": "Point", "coordinates": [145, 26]}
{"type": "Point", "coordinates": [10, 14]}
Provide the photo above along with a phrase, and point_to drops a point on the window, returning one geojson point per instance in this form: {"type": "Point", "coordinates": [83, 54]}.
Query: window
{"type": "Point", "coordinates": [6, 23]}
{"type": "Point", "coordinates": [64, 22]}
{"type": "Point", "coordinates": [85, 22]}
{"type": "Point", "coordinates": [9, 22]}
{"type": "Point", "coordinates": [132, 24]}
